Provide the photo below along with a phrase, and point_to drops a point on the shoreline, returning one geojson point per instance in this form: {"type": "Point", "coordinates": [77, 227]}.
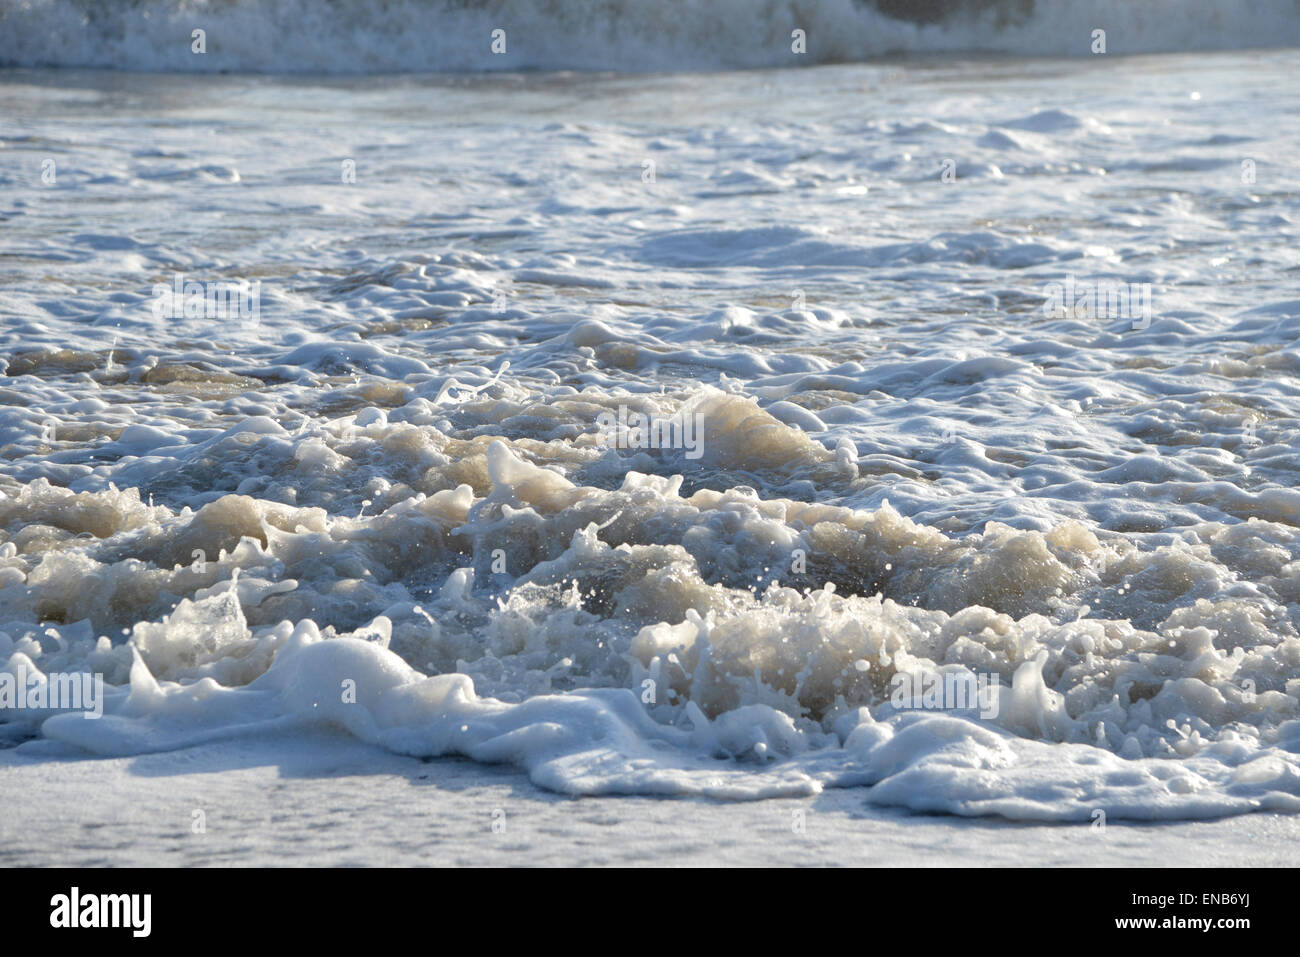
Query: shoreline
{"type": "Point", "coordinates": [343, 803]}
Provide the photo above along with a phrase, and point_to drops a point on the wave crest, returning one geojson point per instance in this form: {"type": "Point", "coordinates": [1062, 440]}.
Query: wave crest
{"type": "Point", "coordinates": [299, 36]}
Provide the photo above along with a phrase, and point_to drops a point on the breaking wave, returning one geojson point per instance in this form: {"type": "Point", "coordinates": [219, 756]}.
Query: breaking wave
{"type": "Point", "coordinates": [300, 36]}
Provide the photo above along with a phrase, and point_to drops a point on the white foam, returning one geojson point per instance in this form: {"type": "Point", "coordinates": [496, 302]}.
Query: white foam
{"type": "Point", "coordinates": [397, 477]}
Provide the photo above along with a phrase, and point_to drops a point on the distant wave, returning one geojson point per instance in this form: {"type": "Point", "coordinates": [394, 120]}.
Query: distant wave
{"type": "Point", "coordinates": [353, 36]}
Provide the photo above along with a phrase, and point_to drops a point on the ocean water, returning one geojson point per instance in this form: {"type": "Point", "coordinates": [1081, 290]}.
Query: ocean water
{"type": "Point", "coordinates": [904, 422]}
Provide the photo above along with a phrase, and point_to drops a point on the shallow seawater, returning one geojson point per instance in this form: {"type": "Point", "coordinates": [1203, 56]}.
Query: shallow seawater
{"type": "Point", "coordinates": [388, 498]}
